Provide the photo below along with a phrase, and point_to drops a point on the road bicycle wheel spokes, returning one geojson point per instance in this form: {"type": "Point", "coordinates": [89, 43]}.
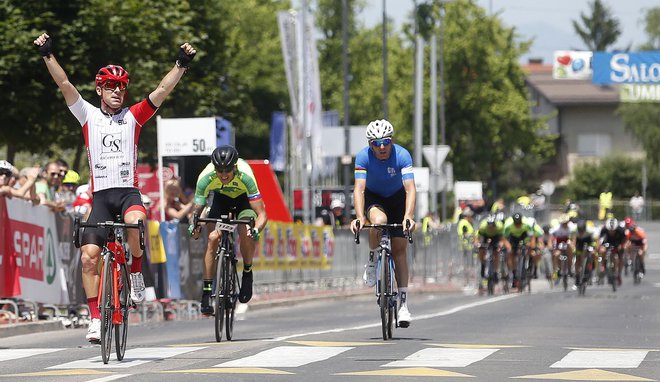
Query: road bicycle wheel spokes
{"type": "Point", "coordinates": [220, 298]}
{"type": "Point", "coordinates": [121, 330]}
{"type": "Point", "coordinates": [107, 308]}
{"type": "Point", "coordinates": [384, 294]}
{"type": "Point", "coordinates": [232, 288]}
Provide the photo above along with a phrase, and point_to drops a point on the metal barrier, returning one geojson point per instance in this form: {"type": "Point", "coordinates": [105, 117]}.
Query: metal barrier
{"type": "Point", "coordinates": [13, 304]}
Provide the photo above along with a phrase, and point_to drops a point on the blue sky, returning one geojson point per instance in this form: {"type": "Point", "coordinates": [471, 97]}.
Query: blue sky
{"type": "Point", "coordinates": [549, 21]}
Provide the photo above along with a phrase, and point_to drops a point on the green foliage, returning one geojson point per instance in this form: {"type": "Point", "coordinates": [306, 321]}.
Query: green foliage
{"type": "Point", "coordinates": [652, 29]}
{"type": "Point", "coordinates": [621, 175]}
{"type": "Point", "coordinates": [600, 29]}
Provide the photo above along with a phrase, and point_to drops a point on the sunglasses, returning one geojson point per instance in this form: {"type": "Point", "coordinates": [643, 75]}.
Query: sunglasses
{"type": "Point", "coordinates": [5, 173]}
{"type": "Point", "coordinates": [379, 142]}
{"type": "Point", "coordinates": [112, 85]}
{"type": "Point", "coordinates": [54, 174]}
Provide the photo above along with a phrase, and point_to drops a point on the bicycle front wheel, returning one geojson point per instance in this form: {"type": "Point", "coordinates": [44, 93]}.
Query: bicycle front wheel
{"type": "Point", "coordinates": [220, 297]}
{"type": "Point", "coordinates": [107, 307]}
{"type": "Point", "coordinates": [385, 293]}
{"type": "Point", "coordinates": [232, 296]}
{"type": "Point", "coordinates": [121, 330]}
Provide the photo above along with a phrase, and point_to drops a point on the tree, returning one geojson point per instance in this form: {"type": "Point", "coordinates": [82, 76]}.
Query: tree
{"type": "Point", "coordinates": [598, 30]}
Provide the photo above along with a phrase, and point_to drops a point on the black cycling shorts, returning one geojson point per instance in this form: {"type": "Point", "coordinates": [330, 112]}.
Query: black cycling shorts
{"type": "Point", "coordinates": [394, 207]}
{"type": "Point", "coordinates": [223, 205]}
{"type": "Point", "coordinates": [107, 205]}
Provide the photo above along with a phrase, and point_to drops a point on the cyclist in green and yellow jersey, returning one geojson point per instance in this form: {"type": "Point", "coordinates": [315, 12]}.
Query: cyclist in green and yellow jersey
{"type": "Point", "coordinates": [517, 232]}
{"type": "Point", "coordinates": [490, 235]}
{"type": "Point", "coordinates": [235, 190]}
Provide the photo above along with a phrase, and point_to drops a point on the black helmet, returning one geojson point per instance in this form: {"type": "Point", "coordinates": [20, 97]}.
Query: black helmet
{"type": "Point", "coordinates": [546, 228]}
{"type": "Point", "coordinates": [517, 218]}
{"type": "Point", "coordinates": [581, 226]}
{"type": "Point", "coordinates": [224, 157]}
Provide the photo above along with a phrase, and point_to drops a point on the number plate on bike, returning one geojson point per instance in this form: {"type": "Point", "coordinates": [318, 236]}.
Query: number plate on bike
{"type": "Point", "coordinates": [225, 227]}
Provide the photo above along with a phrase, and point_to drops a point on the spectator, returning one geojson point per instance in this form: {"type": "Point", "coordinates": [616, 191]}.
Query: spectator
{"type": "Point", "coordinates": [51, 181]}
{"type": "Point", "coordinates": [29, 176]}
{"type": "Point", "coordinates": [637, 206]}
{"type": "Point", "coordinates": [337, 208]}
{"type": "Point", "coordinates": [176, 207]}
{"type": "Point", "coordinates": [604, 204]}
{"type": "Point", "coordinates": [67, 191]}
{"type": "Point", "coordinates": [9, 178]}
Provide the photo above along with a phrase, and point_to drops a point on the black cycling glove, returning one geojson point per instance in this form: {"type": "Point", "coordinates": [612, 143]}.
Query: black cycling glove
{"type": "Point", "coordinates": [184, 59]}
{"type": "Point", "coordinates": [47, 48]}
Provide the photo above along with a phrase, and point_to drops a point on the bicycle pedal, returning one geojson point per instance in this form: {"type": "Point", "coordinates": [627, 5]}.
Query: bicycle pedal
{"type": "Point", "coordinates": [95, 342]}
{"type": "Point", "coordinates": [404, 324]}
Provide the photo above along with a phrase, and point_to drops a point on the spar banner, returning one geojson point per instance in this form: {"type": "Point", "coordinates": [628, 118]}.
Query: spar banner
{"type": "Point", "coordinates": [626, 68]}
{"type": "Point", "coordinates": [38, 253]}
{"type": "Point", "coordinates": [9, 280]}
{"type": "Point", "coordinates": [571, 65]}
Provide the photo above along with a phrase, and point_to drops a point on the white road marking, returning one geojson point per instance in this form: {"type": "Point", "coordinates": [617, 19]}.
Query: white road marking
{"type": "Point", "coordinates": [415, 318]}
{"type": "Point", "coordinates": [443, 357]}
{"type": "Point", "coordinates": [110, 378]}
{"type": "Point", "coordinates": [287, 356]}
{"type": "Point", "coordinates": [133, 357]}
{"type": "Point", "coordinates": [9, 354]}
{"type": "Point", "coordinates": [606, 359]}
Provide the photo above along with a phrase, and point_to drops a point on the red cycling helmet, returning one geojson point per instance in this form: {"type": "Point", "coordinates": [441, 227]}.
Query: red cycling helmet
{"type": "Point", "coordinates": [629, 222]}
{"type": "Point", "coordinates": [112, 73]}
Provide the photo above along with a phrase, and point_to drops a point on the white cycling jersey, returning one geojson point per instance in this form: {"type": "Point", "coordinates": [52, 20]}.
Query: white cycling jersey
{"type": "Point", "coordinates": [111, 142]}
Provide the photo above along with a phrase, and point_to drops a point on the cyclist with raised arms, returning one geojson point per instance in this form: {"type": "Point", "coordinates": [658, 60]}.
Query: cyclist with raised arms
{"type": "Point", "coordinates": [385, 193]}
{"type": "Point", "coordinates": [111, 135]}
{"type": "Point", "coordinates": [236, 191]}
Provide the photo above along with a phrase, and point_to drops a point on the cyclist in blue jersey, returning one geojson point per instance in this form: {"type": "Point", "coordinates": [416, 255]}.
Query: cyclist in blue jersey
{"type": "Point", "coordinates": [385, 193]}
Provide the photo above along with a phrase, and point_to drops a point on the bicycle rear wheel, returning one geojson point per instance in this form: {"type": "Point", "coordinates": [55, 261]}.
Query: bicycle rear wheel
{"type": "Point", "coordinates": [121, 331]}
{"type": "Point", "coordinates": [220, 297]}
{"type": "Point", "coordinates": [232, 296]}
{"type": "Point", "coordinates": [107, 307]}
{"type": "Point", "coordinates": [637, 268]}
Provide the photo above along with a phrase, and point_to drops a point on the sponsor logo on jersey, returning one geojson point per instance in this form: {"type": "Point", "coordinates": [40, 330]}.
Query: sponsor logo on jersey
{"type": "Point", "coordinates": [111, 143]}
{"type": "Point", "coordinates": [124, 173]}
{"type": "Point", "coordinates": [100, 167]}
{"type": "Point", "coordinates": [391, 171]}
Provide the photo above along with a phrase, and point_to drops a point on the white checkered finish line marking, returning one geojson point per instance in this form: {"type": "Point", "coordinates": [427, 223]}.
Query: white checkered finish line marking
{"type": "Point", "coordinates": [443, 357]}
{"type": "Point", "coordinates": [606, 359]}
{"type": "Point", "coordinates": [287, 356]}
{"type": "Point", "coordinates": [133, 357]}
{"type": "Point", "coordinates": [10, 354]}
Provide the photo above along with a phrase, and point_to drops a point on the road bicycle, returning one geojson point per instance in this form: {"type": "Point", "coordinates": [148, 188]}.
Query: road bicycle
{"type": "Point", "coordinates": [385, 286]}
{"type": "Point", "coordinates": [490, 268]}
{"type": "Point", "coordinates": [524, 268]}
{"type": "Point", "coordinates": [114, 297]}
{"type": "Point", "coordinates": [227, 284]}
{"type": "Point", "coordinates": [563, 264]}
{"type": "Point", "coordinates": [586, 263]}
{"type": "Point", "coordinates": [633, 252]}
{"type": "Point", "coordinates": [610, 266]}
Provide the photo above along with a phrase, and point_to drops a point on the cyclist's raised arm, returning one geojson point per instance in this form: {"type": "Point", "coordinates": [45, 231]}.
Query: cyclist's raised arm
{"type": "Point", "coordinates": [45, 45]}
{"type": "Point", "coordinates": [411, 198]}
{"type": "Point", "coordinates": [167, 84]}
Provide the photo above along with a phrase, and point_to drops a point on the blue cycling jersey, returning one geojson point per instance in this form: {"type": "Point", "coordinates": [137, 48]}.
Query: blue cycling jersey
{"type": "Point", "coordinates": [385, 177]}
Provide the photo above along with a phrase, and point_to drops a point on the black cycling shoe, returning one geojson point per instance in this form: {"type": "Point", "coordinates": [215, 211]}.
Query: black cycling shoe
{"type": "Point", "coordinates": [246, 288]}
{"type": "Point", "coordinates": [206, 310]}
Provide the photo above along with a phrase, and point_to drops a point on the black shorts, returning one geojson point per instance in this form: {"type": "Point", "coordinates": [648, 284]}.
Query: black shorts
{"type": "Point", "coordinates": [223, 205]}
{"type": "Point", "coordinates": [107, 205]}
{"type": "Point", "coordinates": [394, 207]}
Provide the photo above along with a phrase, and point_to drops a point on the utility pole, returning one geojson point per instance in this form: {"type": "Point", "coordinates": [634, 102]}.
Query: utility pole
{"type": "Point", "coordinates": [347, 158]}
{"type": "Point", "coordinates": [385, 105]}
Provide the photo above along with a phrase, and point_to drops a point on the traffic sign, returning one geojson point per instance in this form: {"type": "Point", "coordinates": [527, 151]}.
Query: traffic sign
{"type": "Point", "coordinates": [439, 152]}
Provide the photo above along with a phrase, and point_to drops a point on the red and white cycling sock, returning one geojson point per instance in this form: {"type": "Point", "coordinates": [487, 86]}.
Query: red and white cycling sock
{"type": "Point", "coordinates": [136, 264]}
{"type": "Point", "coordinates": [94, 307]}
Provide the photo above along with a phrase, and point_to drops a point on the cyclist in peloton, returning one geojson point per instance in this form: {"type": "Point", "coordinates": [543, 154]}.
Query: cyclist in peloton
{"type": "Point", "coordinates": [563, 233]}
{"type": "Point", "coordinates": [111, 135]}
{"type": "Point", "coordinates": [517, 231]}
{"type": "Point", "coordinates": [235, 190]}
{"type": "Point", "coordinates": [584, 238]}
{"type": "Point", "coordinates": [614, 235]}
{"type": "Point", "coordinates": [490, 232]}
{"type": "Point", "coordinates": [636, 239]}
{"type": "Point", "coordinates": [385, 193]}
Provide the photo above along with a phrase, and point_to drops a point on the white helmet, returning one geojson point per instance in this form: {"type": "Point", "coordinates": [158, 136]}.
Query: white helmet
{"type": "Point", "coordinates": [4, 165]}
{"type": "Point", "coordinates": [379, 128]}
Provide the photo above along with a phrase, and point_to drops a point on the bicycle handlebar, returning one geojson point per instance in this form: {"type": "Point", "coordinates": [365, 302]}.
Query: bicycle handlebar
{"type": "Point", "coordinates": [406, 229]}
{"type": "Point", "coordinates": [225, 219]}
{"type": "Point", "coordinates": [77, 224]}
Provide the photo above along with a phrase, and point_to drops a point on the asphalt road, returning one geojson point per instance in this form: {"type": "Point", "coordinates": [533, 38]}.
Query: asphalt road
{"type": "Point", "coordinates": [548, 335]}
